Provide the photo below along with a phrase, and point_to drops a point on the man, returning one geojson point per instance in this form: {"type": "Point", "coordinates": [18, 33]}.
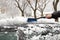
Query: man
{"type": "Point", "coordinates": [54, 15]}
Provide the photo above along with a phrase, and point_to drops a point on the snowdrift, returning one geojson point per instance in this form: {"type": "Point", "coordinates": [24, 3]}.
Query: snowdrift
{"type": "Point", "coordinates": [13, 21]}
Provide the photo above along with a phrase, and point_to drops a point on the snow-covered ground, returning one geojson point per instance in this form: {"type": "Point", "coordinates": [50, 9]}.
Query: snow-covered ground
{"type": "Point", "coordinates": [41, 31]}
{"type": "Point", "coordinates": [21, 20]}
{"type": "Point", "coordinates": [12, 21]}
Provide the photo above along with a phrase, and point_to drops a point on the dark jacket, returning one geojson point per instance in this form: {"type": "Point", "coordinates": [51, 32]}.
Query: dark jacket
{"type": "Point", "coordinates": [55, 14]}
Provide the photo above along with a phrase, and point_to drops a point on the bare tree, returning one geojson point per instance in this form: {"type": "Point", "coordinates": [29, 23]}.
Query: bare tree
{"type": "Point", "coordinates": [55, 3]}
{"type": "Point", "coordinates": [34, 8]}
{"type": "Point", "coordinates": [41, 5]}
{"type": "Point", "coordinates": [21, 7]}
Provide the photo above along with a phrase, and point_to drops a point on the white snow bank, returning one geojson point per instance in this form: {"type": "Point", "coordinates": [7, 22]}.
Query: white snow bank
{"type": "Point", "coordinates": [45, 20]}
{"type": "Point", "coordinates": [12, 21]}
{"type": "Point", "coordinates": [21, 20]}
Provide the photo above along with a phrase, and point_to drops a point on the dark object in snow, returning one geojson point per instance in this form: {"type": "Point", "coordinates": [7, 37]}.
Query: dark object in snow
{"type": "Point", "coordinates": [31, 20]}
{"type": "Point", "coordinates": [41, 17]}
{"type": "Point", "coordinates": [45, 32]}
{"type": "Point", "coordinates": [56, 14]}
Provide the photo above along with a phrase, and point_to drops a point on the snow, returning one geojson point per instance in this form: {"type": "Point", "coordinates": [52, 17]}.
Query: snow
{"type": "Point", "coordinates": [21, 20]}
{"type": "Point", "coordinates": [46, 20]}
{"type": "Point", "coordinates": [33, 32]}
{"type": "Point", "coordinates": [12, 21]}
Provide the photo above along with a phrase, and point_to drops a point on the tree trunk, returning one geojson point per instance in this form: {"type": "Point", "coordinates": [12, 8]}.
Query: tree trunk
{"type": "Point", "coordinates": [35, 14]}
{"type": "Point", "coordinates": [55, 7]}
{"type": "Point", "coordinates": [23, 13]}
{"type": "Point", "coordinates": [55, 4]}
{"type": "Point", "coordinates": [41, 13]}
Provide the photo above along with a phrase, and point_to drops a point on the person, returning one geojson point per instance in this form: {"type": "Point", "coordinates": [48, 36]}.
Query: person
{"type": "Point", "coordinates": [54, 15]}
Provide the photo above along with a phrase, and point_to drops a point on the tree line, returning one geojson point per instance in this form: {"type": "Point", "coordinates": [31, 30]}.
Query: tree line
{"type": "Point", "coordinates": [35, 5]}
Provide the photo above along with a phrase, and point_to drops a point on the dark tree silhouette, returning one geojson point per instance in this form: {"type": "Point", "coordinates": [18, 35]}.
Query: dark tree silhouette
{"type": "Point", "coordinates": [55, 3]}
{"type": "Point", "coordinates": [34, 8]}
{"type": "Point", "coordinates": [23, 7]}
{"type": "Point", "coordinates": [42, 5]}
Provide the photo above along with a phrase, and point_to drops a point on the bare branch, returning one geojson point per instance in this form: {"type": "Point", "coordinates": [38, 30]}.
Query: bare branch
{"type": "Point", "coordinates": [18, 5]}
{"type": "Point", "coordinates": [55, 3]}
{"type": "Point", "coordinates": [21, 7]}
{"type": "Point", "coordinates": [42, 5]}
{"type": "Point", "coordinates": [30, 4]}
{"type": "Point", "coordinates": [36, 4]}
{"type": "Point", "coordinates": [39, 7]}
{"type": "Point", "coordinates": [45, 3]}
{"type": "Point", "coordinates": [25, 5]}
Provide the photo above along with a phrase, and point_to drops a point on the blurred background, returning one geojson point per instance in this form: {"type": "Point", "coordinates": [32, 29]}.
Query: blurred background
{"type": "Point", "coordinates": [27, 8]}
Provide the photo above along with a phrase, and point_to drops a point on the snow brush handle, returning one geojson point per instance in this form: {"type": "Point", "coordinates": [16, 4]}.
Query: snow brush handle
{"type": "Point", "coordinates": [41, 17]}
